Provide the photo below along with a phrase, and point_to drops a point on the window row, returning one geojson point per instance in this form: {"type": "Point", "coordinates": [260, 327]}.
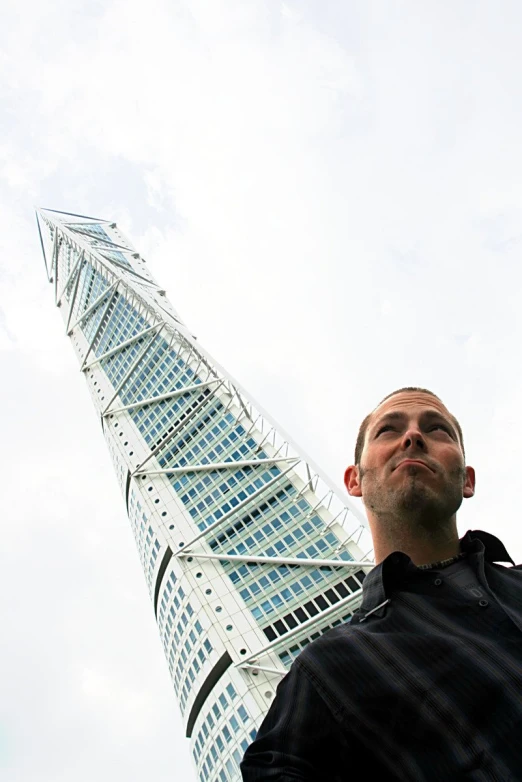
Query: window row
{"type": "Point", "coordinates": [248, 573]}
{"type": "Point", "coordinates": [229, 765]}
{"type": "Point", "coordinates": [243, 483]}
{"type": "Point", "coordinates": [154, 353]}
{"type": "Point", "coordinates": [313, 607]}
{"type": "Point", "coordinates": [234, 724]}
{"type": "Point", "coordinates": [148, 417]}
{"type": "Point", "coordinates": [218, 444]}
{"type": "Point", "coordinates": [162, 372]}
{"type": "Point", "coordinates": [175, 629]}
{"type": "Point", "coordinates": [175, 641]}
{"type": "Point", "coordinates": [117, 366]}
{"type": "Point", "coordinates": [189, 669]}
{"type": "Point", "coordinates": [199, 659]}
{"type": "Point", "coordinates": [273, 508]}
{"type": "Point", "coordinates": [166, 596]}
{"type": "Point", "coordinates": [181, 635]}
{"type": "Point", "coordinates": [90, 288]}
{"type": "Point", "coordinates": [293, 543]}
{"type": "Point", "coordinates": [200, 428]}
{"type": "Point", "coordinates": [222, 452]}
{"type": "Point", "coordinates": [159, 419]}
{"type": "Point", "coordinates": [113, 255]}
{"type": "Point", "coordinates": [205, 450]}
{"type": "Point", "coordinates": [92, 321]}
{"type": "Point", "coordinates": [92, 230]}
{"type": "Point", "coordinates": [215, 486]}
{"type": "Point", "coordinates": [203, 401]}
{"type": "Point", "coordinates": [67, 258]}
{"type": "Point", "coordinates": [148, 546]}
{"type": "Point", "coordinates": [293, 590]}
{"type": "Point", "coordinates": [125, 322]}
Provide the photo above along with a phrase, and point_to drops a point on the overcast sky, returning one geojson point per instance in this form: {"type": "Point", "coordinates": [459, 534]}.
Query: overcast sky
{"type": "Point", "coordinates": [331, 193]}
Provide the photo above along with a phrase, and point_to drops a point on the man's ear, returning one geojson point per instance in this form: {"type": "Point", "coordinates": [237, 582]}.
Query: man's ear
{"type": "Point", "coordinates": [351, 481]}
{"type": "Point", "coordinates": [469, 483]}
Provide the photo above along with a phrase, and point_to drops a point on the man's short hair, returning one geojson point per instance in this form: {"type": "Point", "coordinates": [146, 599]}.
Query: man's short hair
{"type": "Point", "coordinates": [359, 445]}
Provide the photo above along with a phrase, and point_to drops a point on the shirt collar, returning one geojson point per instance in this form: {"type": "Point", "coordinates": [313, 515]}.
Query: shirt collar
{"type": "Point", "coordinates": [380, 581]}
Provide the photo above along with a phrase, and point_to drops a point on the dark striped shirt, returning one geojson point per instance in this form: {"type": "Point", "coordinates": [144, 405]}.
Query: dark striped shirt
{"type": "Point", "coordinates": [424, 685]}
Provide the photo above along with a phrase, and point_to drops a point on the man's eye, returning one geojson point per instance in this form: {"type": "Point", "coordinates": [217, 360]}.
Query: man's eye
{"type": "Point", "coordinates": [441, 426]}
{"type": "Point", "coordinates": [385, 428]}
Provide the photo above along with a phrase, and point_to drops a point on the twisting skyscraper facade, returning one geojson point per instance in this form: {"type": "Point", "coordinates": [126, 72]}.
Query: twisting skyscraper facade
{"type": "Point", "coordinates": [248, 551]}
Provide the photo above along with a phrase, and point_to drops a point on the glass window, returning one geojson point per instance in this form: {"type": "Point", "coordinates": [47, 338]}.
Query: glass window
{"type": "Point", "coordinates": [231, 691]}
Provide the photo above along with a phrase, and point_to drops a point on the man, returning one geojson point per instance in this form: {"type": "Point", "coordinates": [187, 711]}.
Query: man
{"type": "Point", "coordinates": [425, 683]}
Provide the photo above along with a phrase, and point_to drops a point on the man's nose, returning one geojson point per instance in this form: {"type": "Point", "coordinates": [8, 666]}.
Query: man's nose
{"type": "Point", "coordinates": [413, 439]}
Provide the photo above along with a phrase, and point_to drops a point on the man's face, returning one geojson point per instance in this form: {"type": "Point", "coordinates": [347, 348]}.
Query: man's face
{"type": "Point", "coordinates": [412, 462]}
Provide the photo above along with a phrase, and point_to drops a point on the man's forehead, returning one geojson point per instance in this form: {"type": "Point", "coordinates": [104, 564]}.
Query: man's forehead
{"type": "Point", "coordinates": [409, 401]}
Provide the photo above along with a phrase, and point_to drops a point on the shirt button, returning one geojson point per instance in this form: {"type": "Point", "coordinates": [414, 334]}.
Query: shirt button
{"type": "Point", "coordinates": [483, 603]}
{"type": "Point", "coordinates": [438, 582]}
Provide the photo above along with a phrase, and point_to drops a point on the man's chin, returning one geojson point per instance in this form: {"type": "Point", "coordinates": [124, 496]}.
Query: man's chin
{"type": "Point", "coordinates": [416, 499]}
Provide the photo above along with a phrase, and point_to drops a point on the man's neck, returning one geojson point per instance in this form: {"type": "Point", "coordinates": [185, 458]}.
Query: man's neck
{"type": "Point", "coordinates": [421, 545]}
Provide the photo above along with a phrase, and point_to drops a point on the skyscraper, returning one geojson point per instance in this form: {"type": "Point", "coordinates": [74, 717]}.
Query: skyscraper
{"type": "Point", "coordinates": [248, 551]}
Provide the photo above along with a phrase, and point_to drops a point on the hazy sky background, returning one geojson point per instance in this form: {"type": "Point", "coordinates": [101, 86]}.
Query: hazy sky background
{"type": "Point", "coordinates": [331, 193]}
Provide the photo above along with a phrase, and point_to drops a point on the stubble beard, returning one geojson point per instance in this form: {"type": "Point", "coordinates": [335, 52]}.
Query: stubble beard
{"type": "Point", "coordinates": [414, 504]}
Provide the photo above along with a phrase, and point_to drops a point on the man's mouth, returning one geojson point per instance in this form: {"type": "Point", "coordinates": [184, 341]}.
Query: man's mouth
{"type": "Point", "coordinates": [413, 461]}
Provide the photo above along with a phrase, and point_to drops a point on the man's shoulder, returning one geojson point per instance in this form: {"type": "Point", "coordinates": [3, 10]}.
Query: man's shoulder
{"type": "Point", "coordinates": [329, 661]}
{"type": "Point", "coordinates": [334, 645]}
